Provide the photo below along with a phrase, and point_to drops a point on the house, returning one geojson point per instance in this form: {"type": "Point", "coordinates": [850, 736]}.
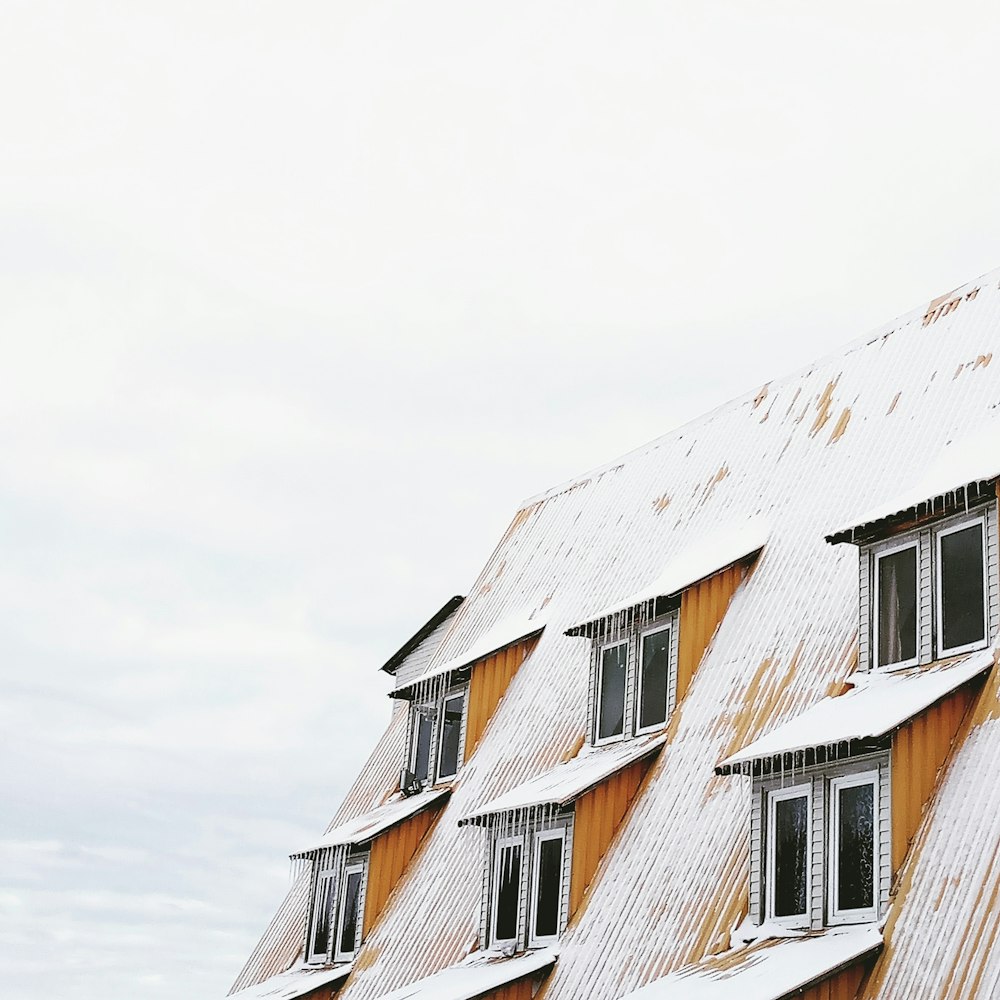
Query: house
{"type": "Point", "coordinates": [718, 719]}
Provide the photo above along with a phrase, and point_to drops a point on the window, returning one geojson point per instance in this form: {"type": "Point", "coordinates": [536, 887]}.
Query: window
{"type": "Point", "coordinates": [788, 853]}
{"type": "Point", "coordinates": [547, 886]}
{"type": "Point", "coordinates": [322, 914]}
{"type": "Point", "coordinates": [338, 895]}
{"type": "Point", "coordinates": [932, 592]}
{"type": "Point", "coordinates": [853, 847]}
{"type": "Point", "coordinates": [819, 854]}
{"type": "Point", "coordinates": [437, 729]}
{"type": "Point", "coordinates": [634, 679]}
{"type": "Point", "coordinates": [348, 930]}
{"type": "Point", "coordinates": [528, 887]}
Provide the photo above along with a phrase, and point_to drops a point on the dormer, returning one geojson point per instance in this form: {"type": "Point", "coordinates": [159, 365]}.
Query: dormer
{"type": "Point", "coordinates": [645, 647]}
{"type": "Point", "coordinates": [929, 578]}
{"type": "Point", "coordinates": [451, 701]}
{"type": "Point", "coordinates": [354, 867]}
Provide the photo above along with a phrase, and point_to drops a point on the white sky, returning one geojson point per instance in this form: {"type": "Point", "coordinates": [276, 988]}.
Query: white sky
{"type": "Point", "coordinates": [300, 300]}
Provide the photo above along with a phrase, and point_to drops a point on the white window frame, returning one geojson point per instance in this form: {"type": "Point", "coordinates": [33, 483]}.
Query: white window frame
{"type": "Point", "coordinates": [668, 625]}
{"type": "Point", "coordinates": [877, 557]}
{"type": "Point", "coordinates": [774, 796]}
{"type": "Point", "coordinates": [350, 869]}
{"type": "Point", "coordinates": [961, 525]}
{"type": "Point", "coordinates": [618, 737]}
{"type": "Point", "coordinates": [458, 692]}
{"type": "Point", "coordinates": [317, 957]}
{"type": "Point", "coordinates": [865, 914]}
{"type": "Point", "coordinates": [500, 844]}
{"type": "Point", "coordinates": [559, 833]}
{"type": "Point", "coordinates": [416, 710]}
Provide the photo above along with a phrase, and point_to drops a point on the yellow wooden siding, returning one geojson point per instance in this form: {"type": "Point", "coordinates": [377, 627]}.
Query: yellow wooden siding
{"type": "Point", "coordinates": [919, 749]}
{"type": "Point", "coordinates": [390, 854]}
{"type": "Point", "coordinates": [487, 685]}
{"type": "Point", "coordinates": [521, 990]}
{"type": "Point", "coordinates": [598, 814]}
{"type": "Point", "coordinates": [702, 608]}
{"type": "Point", "coordinates": [842, 986]}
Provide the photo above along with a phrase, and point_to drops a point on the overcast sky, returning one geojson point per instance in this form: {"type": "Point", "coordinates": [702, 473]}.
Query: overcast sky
{"type": "Point", "coordinates": [299, 300]}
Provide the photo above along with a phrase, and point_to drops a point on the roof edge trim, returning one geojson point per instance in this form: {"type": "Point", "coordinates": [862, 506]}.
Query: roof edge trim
{"type": "Point", "coordinates": [446, 609]}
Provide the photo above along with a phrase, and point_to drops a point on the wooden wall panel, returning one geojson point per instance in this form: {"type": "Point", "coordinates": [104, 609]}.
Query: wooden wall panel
{"type": "Point", "coordinates": [390, 854]}
{"type": "Point", "coordinates": [919, 749]}
{"type": "Point", "coordinates": [521, 990]}
{"type": "Point", "coordinates": [703, 606]}
{"type": "Point", "coordinates": [842, 986]}
{"type": "Point", "coordinates": [487, 685]}
{"type": "Point", "coordinates": [598, 814]}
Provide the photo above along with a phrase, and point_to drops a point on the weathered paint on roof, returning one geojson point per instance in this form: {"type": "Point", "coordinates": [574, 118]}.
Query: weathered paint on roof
{"type": "Point", "coordinates": [767, 970]}
{"type": "Point", "coordinates": [369, 825]}
{"type": "Point", "coordinates": [711, 554]}
{"type": "Point", "coordinates": [566, 782]}
{"type": "Point", "coordinates": [878, 704]}
{"type": "Point", "coordinates": [504, 633]}
{"type": "Point", "coordinates": [673, 882]}
{"type": "Point", "coordinates": [294, 983]}
{"type": "Point", "coordinates": [478, 974]}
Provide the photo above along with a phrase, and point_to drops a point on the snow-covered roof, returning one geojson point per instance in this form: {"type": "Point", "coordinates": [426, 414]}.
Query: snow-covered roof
{"type": "Point", "coordinates": [965, 461]}
{"type": "Point", "coordinates": [441, 615]}
{"type": "Point", "coordinates": [568, 781]}
{"type": "Point", "coordinates": [296, 982]}
{"type": "Point", "coordinates": [878, 704]}
{"type": "Point", "coordinates": [712, 553]}
{"type": "Point", "coordinates": [369, 825]}
{"type": "Point", "coordinates": [506, 632]}
{"type": "Point", "coordinates": [478, 974]}
{"type": "Point", "coordinates": [766, 970]}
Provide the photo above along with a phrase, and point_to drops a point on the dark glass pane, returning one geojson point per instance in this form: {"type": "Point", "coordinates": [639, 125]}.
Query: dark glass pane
{"type": "Point", "coordinates": [897, 607]}
{"type": "Point", "coordinates": [349, 919]}
{"type": "Point", "coordinates": [421, 744]}
{"type": "Point", "coordinates": [611, 712]}
{"type": "Point", "coordinates": [321, 916]}
{"type": "Point", "coordinates": [549, 888]}
{"type": "Point", "coordinates": [451, 728]}
{"type": "Point", "coordinates": [508, 892]}
{"type": "Point", "coordinates": [962, 587]}
{"type": "Point", "coordinates": [855, 847]}
{"type": "Point", "coordinates": [791, 817]}
{"type": "Point", "coordinates": [655, 666]}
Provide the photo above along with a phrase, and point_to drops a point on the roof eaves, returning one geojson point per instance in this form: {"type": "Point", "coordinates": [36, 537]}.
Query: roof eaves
{"type": "Point", "coordinates": [448, 608]}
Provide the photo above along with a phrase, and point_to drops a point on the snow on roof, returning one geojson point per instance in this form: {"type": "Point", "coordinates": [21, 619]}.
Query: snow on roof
{"type": "Point", "coordinates": [568, 781]}
{"type": "Point", "coordinates": [295, 982]}
{"type": "Point", "coordinates": [369, 825]}
{"type": "Point", "coordinates": [767, 970]}
{"type": "Point", "coordinates": [505, 633]}
{"type": "Point", "coordinates": [708, 556]}
{"type": "Point", "coordinates": [880, 703]}
{"type": "Point", "coordinates": [441, 615]}
{"type": "Point", "coordinates": [963, 461]}
{"type": "Point", "coordinates": [478, 974]}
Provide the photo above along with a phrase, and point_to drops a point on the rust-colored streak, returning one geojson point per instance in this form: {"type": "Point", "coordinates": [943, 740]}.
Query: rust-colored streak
{"type": "Point", "coordinates": [842, 421]}
{"type": "Point", "coordinates": [598, 815]}
{"type": "Point", "coordinates": [715, 480]}
{"type": "Point", "coordinates": [823, 406]}
{"type": "Point", "coordinates": [661, 503]}
{"type": "Point", "coordinates": [702, 609]}
{"type": "Point", "coordinates": [943, 305]}
{"type": "Point", "coordinates": [487, 686]}
{"type": "Point", "coordinates": [894, 403]}
{"type": "Point", "coordinates": [958, 371]}
{"type": "Point", "coordinates": [390, 854]}
{"type": "Point", "coordinates": [761, 396]}
{"type": "Point", "coordinates": [919, 749]}
{"type": "Point", "coordinates": [983, 360]}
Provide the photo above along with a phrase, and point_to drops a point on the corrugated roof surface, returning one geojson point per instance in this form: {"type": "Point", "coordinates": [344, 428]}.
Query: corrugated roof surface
{"type": "Point", "coordinates": [803, 452]}
{"type": "Point", "coordinates": [568, 781]}
{"type": "Point", "coordinates": [477, 975]}
{"type": "Point", "coordinates": [767, 970]}
{"type": "Point", "coordinates": [294, 983]}
{"type": "Point", "coordinates": [879, 704]}
{"type": "Point", "coordinates": [709, 555]}
{"type": "Point", "coordinates": [369, 825]}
